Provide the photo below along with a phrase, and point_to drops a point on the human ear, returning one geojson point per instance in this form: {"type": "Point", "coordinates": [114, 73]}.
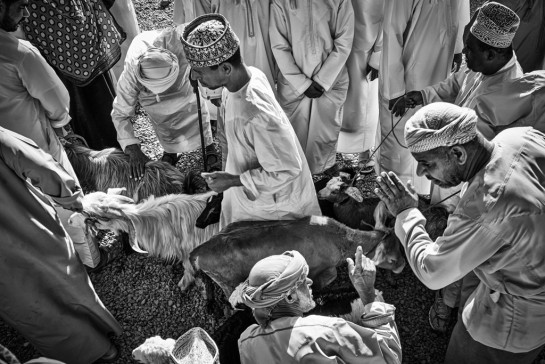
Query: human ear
{"type": "Point", "coordinates": [227, 68]}
{"type": "Point", "coordinates": [459, 154]}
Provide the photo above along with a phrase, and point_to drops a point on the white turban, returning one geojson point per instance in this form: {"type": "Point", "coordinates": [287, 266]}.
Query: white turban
{"type": "Point", "coordinates": [495, 25]}
{"type": "Point", "coordinates": [440, 124]}
{"type": "Point", "coordinates": [157, 69]}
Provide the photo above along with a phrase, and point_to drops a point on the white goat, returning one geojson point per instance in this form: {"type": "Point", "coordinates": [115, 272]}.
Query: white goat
{"type": "Point", "coordinates": [161, 226]}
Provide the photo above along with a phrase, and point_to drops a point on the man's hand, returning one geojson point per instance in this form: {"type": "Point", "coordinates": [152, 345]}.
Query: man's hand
{"type": "Point", "coordinates": [395, 194]}
{"type": "Point", "coordinates": [456, 62]}
{"type": "Point", "coordinates": [413, 99]}
{"type": "Point", "coordinates": [372, 73]}
{"type": "Point", "coordinates": [314, 91]}
{"type": "Point", "coordinates": [397, 106]}
{"type": "Point", "coordinates": [221, 181]}
{"type": "Point", "coordinates": [362, 275]}
{"type": "Point", "coordinates": [137, 161]}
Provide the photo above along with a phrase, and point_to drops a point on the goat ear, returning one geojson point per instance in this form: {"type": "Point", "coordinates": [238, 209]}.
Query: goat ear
{"type": "Point", "coordinates": [355, 193]}
{"type": "Point", "coordinates": [381, 216]}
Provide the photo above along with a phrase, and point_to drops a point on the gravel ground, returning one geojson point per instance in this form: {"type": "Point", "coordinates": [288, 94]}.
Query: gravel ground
{"type": "Point", "coordinates": [142, 293]}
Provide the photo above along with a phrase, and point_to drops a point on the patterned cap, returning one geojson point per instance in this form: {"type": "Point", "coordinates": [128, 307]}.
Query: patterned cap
{"type": "Point", "coordinates": [440, 124]}
{"type": "Point", "coordinates": [209, 40]}
{"type": "Point", "coordinates": [495, 25]}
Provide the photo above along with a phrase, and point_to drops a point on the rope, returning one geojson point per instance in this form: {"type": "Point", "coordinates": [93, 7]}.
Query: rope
{"type": "Point", "coordinates": [381, 142]}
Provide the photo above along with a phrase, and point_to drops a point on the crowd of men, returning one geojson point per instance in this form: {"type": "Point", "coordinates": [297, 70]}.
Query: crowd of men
{"type": "Point", "coordinates": [291, 83]}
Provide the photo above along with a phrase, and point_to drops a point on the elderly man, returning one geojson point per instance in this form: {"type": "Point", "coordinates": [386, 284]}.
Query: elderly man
{"type": "Point", "coordinates": [311, 41]}
{"type": "Point", "coordinates": [278, 291]}
{"type": "Point", "coordinates": [46, 293]}
{"type": "Point", "coordinates": [156, 75]}
{"type": "Point", "coordinates": [266, 175]}
{"type": "Point", "coordinates": [35, 103]}
{"type": "Point", "coordinates": [496, 231]}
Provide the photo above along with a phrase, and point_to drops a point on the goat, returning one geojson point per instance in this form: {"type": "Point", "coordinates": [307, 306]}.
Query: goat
{"type": "Point", "coordinates": [349, 207]}
{"type": "Point", "coordinates": [109, 168]}
{"type": "Point", "coordinates": [161, 226]}
{"type": "Point", "coordinates": [229, 256]}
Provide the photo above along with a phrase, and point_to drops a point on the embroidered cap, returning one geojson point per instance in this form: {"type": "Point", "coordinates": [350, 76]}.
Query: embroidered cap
{"type": "Point", "coordinates": [495, 25]}
{"type": "Point", "coordinates": [440, 124]}
{"type": "Point", "coordinates": [209, 40]}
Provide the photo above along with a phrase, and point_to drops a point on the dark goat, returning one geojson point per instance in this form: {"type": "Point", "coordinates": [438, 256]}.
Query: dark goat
{"type": "Point", "coordinates": [229, 256]}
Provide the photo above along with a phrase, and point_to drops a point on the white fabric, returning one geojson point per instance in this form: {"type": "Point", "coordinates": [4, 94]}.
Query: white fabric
{"type": "Point", "coordinates": [173, 113]}
{"type": "Point", "coordinates": [312, 42]}
{"type": "Point", "coordinates": [360, 114]}
{"type": "Point", "coordinates": [497, 232]}
{"type": "Point", "coordinates": [33, 101]}
{"type": "Point", "coordinates": [249, 19]}
{"type": "Point", "coordinates": [463, 88]}
{"type": "Point", "coordinates": [263, 150]}
{"type": "Point", "coordinates": [418, 47]}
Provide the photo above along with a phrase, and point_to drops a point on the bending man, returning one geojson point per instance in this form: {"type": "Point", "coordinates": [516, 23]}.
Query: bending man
{"type": "Point", "coordinates": [495, 232]}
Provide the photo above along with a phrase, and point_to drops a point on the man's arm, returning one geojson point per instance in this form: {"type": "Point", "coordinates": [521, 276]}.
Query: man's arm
{"type": "Point", "coordinates": [445, 91]}
{"type": "Point", "coordinates": [449, 258]}
{"type": "Point", "coordinates": [43, 84]}
{"type": "Point", "coordinates": [282, 50]}
{"type": "Point", "coordinates": [28, 161]}
{"type": "Point", "coordinates": [344, 36]}
{"type": "Point", "coordinates": [123, 107]}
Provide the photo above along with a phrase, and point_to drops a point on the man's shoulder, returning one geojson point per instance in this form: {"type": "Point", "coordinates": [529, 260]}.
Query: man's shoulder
{"type": "Point", "coordinates": [16, 50]}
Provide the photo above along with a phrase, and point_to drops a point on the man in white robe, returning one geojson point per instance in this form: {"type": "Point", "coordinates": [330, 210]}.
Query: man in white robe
{"type": "Point", "coordinates": [490, 63]}
{"type": "Point", "coordinates": [266, 176]}
{"type": "Point", "coordinates": [156, 75]}
{"type": "Point", "coordinates": [495, 233]}
{"type": "Point", "coordinates": [35, 104]}
{"type": "Point", "coordinates": [311, 41]}
{"type": "Point", "coordinates": [419, 42]}
{"type": "Point", "coordinates": [360, 113]}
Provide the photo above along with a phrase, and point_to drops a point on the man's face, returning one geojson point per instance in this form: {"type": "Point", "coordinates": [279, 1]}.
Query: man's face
{"type": "Point", "coordinates": [208, 77]}
{"type": "Point", "coordinates": [11, 16]}
{"type": "Point", "coordinates": [306, 303]}
{"type": "Point", "coordinates": [440, 167]}
{"type": "Point", "coordinates": [476, 58]}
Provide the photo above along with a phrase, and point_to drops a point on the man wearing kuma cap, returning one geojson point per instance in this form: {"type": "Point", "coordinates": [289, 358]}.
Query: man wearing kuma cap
{"type": "Point", "coordinates": [490, 63]}
{"type": "Point", "coordinates": [495, 233]}
{"type": "Point", "coordinates": [156, 75]}
{"type": "Point", "coordinates": [266, 174]}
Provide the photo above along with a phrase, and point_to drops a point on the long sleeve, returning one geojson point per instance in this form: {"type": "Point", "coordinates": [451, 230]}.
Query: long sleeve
{"type": "Point", "coordinates": [277, 154]}
{"type": "Point", "coordinates": [451, 256]}
{"type": "Point", "coordinates": [344, 36]}
{"type": "Point", "coordinates": [282, 51]}
{"type": "Point", "coordinates": [397, 15]}
{"type": "Point", "coordinates": [28, 161]}
{"type": "Point", "coordinates": [43, 84]}
{"type": "Point", "coordinates": [123, 108]}
{"type": "Point", "coordinates": [447, 90]}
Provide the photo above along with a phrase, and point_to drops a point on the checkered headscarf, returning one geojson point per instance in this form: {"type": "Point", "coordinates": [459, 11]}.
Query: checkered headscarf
{"type": "Point", "coordinates": [440, 124]}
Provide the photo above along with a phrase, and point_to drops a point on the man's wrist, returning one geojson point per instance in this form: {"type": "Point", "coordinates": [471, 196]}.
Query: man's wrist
{"type": "Point", "coordinates": [367, 295]}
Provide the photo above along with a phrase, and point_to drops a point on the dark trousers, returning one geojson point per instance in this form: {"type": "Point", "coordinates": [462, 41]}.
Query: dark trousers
{"type": "Point", "coordinates": [462, 349]}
